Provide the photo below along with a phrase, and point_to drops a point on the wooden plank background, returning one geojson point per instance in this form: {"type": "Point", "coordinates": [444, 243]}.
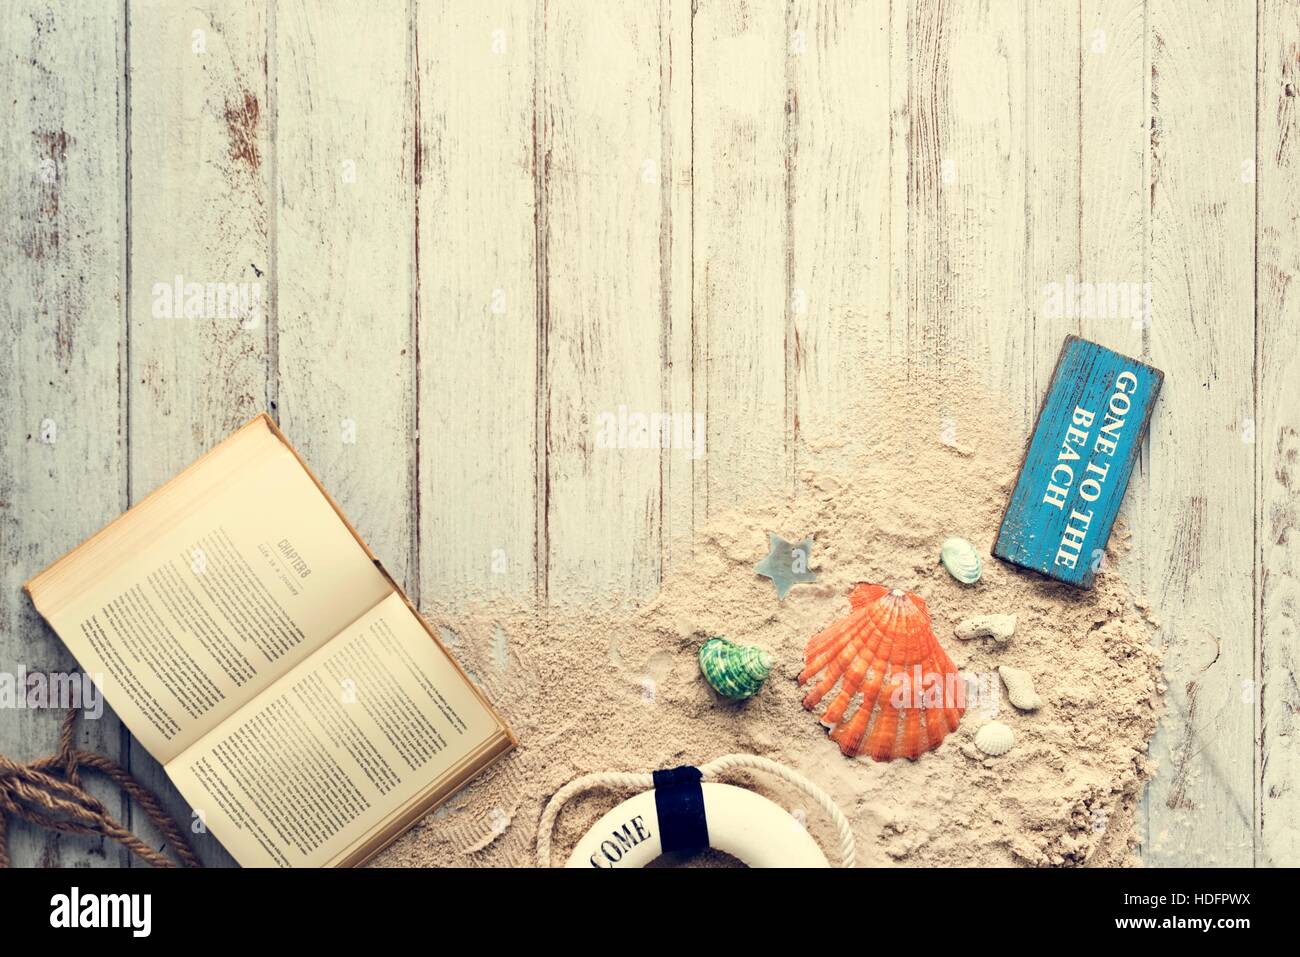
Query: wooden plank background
{"type": "Point", "coordinates": [474, 225]}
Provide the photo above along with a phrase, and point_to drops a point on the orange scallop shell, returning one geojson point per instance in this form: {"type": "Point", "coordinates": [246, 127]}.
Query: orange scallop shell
{"type": "Point", "coordinates": [885, 650]}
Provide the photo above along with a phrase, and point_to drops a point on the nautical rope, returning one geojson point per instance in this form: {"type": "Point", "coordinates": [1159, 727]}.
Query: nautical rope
{"type": "Point", "coordinates": [48, 793]}
{"type": "Point", "coordinates": [625, 781]}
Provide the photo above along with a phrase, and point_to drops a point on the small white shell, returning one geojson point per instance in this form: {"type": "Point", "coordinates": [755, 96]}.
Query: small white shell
{"type": "Point", "coordinates": [1020, 688]}
{"type": "Point", "coordinates": [998, 627]}
{"type": "Point", "coordinates": [995, 738]}
{"type": "Point", "coordinates": [961, 560]}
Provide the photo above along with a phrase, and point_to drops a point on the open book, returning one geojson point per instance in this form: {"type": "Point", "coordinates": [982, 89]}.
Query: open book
{"type": "Point", "coordinates": [252, 643]}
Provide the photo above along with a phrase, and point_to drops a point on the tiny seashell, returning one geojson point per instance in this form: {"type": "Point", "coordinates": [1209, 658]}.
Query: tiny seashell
{"type": "Point", "coordinates": [998, 627]}
{"type": "Point", "coordinates": [961, 560]}
{"type": "Point", "coordinates": [1020, 688]}
{"type": "Point", "coordinates": [734, 671]}
{"type": "Point", "coordinates": [995, 738]}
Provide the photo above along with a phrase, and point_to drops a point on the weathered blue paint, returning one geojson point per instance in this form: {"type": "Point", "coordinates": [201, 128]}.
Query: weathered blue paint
{"type": "Point", "coordinates": [1078, 463]}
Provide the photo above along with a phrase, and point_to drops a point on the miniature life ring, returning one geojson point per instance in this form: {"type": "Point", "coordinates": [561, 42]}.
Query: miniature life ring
{"type": "Point", "coordinates": [682, 811]}
{"type": "Point", "coordinates": [741, 823]}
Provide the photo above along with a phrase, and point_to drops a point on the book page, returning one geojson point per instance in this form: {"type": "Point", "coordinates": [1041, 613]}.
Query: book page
{"type": "Point", "coordinates": [367, 726]}
{"type": "Point", "coordinates": [187, 608]}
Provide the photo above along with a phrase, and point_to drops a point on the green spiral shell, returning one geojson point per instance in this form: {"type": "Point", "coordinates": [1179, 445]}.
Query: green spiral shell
{"type": "Point", "coordinates": [734, 671]}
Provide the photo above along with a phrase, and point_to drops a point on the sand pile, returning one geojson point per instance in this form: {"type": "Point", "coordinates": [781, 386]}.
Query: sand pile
{"type": "Point", "coordinates": [591, 690]}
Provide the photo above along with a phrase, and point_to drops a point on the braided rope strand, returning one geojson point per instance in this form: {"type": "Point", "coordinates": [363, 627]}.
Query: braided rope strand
{"type": "Point", "coordinates": [48, 793]}
{"type": "Point", "coordinates": [605, 780]}
{"type": "Point", "coordinates": [715, 769]}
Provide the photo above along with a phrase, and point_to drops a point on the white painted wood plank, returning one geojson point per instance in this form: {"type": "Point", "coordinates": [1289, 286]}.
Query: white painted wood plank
{"type": "Point", "coordinates": [1202, 69]}
{"type": "Point", "coordinates": [200, 205]}
{"type": "Point", "coordinates": [742, 252]}
{"type": "Point", "coordinates": [601, 155]}
{"type": "Point", "coordinates": [1114, 174]}
{"type": "Point", "coordinates": [343, 160]}
{"type": "Point", "coordinates": [478, 301]}
{"type": "Point", "coordinates": [681, 473]}
{"type": "Point", "coordinates": [900, 181]}
{"type": "Point", "coordinates": [62, 455]}
{"type": "Point", "coordinates": [839, 66]}
{"type": "Point", "coordinates": [1053, 183]}
{"type": "Point", "coordinates": [199, 210]}
{"type": "Point", "coordinates": [966, 190]}
{"type": "Point", "coordinates": [1277, 438]}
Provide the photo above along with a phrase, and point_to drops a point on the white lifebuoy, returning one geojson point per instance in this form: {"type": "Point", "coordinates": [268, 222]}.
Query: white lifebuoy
{"type": "Point", "coordinates": [741, 823]}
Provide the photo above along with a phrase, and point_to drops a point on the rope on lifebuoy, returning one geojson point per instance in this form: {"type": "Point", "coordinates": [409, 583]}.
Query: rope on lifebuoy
{"type": "Point", "coordinates": [626, 781]}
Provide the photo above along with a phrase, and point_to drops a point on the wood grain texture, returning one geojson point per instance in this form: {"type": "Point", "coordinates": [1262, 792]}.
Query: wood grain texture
{"type": "Point", "coordinates": [1057, 48]}
{"type": "Point", "coordinates": [682, 474]}
{"type": "Point", "coordinates": [200, 203]}
{"type": "Point", "coordinates": [600, 148]}
{"type": "Point", "coordinates": [62, 318]}
{"type": "Point", "coordinates": [1202, 65]}
{"type": "Point", "coordinates": [478, 300]}
{"type": "Point", "coordinates": [966, 189]}
{"type": "Point", "coordinates": [1277, 435]}
{"type": "Point", "coordinates": [742, 254]}
{"type": "Point", "coordinates": [342, 154]}
{"type": "Point", "coordinates": [1113, 171]}
{"type": "Point", "coordinates": [839, 297]}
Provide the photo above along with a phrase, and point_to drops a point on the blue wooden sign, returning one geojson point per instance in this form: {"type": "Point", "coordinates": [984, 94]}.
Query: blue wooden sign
{"type": "Point", "coordinates": [1078, 462]}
